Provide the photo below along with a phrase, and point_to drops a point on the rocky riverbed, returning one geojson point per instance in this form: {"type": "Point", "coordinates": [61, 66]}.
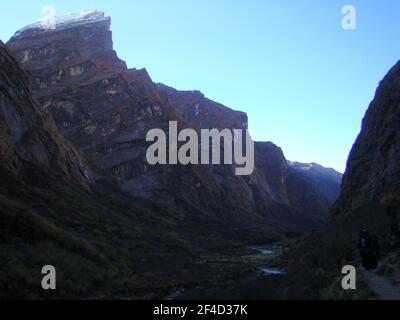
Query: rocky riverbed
{"type": "Point", "coordinates": [233, 276]}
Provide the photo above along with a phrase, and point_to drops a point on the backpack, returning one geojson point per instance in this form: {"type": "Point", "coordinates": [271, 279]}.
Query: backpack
{"type": "Point", "coordinates": [364, 241]}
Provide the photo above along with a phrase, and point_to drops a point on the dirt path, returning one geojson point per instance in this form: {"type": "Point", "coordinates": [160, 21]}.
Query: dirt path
{"type": "Point", "coordinates": [383, 286]}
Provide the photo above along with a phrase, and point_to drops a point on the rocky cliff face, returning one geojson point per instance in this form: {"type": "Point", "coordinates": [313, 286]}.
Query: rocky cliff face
{"type": "Point", "coordinates": [28, 134]}
{"type": "Point", "coordinates": [369, 199]}
{"type": "Point", "coordinates": [326, 180]}
{"type": "Point", "coordinates": [103, 244]}
{"type": "Point", "coordinates": [305, 192]}
{"type": "Point", "coordinates": [373, 167]}
{"type": "Point", "coordinates": [106, 109]}
{"type": "Point", "coordinates": [79, 79]}
{"type": "Point", "coordinates": [202, 113]}
{"type": "Point", "coordinates": [48, 214]}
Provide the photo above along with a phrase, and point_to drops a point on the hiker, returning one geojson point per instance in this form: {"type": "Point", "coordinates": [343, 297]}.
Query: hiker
{"type": "Point", "coordinates": [365, 248]}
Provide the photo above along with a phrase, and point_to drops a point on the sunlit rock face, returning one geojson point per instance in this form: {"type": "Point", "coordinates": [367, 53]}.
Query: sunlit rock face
{"type": "Point", "coordinates": [106, 109]}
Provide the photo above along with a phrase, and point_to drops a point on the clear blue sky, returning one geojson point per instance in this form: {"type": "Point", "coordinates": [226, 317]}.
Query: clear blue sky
{"type": "Point", "coordinates": [304, 82]}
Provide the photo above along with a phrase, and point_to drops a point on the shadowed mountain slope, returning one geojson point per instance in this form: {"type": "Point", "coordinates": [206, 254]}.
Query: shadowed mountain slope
{"type": "Point", "coordinates": [369, 199]}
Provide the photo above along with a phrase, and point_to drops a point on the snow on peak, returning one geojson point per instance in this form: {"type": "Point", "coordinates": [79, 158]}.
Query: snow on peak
{"type": "Point", "coordinates": [53, 22]}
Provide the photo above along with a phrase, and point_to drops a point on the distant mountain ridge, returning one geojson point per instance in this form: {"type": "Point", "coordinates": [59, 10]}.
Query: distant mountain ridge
{"type": "Point", "coordinates": [326, 179]}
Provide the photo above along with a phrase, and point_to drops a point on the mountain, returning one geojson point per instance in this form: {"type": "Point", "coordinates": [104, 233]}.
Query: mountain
{"type": "Point", "coordinates": [327, 180]}
{"type": "Point", "coordinates": [202, 113]}
{"type": "Point", "coordinates": [371, 183]}
{"type": "Point", "coordinates": [53, 211]}
{"type": "Point", "coordinates": [77, 192]}
{"type": "Point", "coordinates": [48, 212]}
{"type": "Point", "coordinates": [28, 135]}
{"type": "Point", "coordinates": [106, 109]}
{"type": "Point", "coordinates": [373, 166]}
{"type": "Point", "coordinates": [369, 199]}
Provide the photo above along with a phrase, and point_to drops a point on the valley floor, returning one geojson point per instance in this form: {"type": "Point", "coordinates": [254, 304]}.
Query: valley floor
{"type": "Point", "coordinates": [252, 273]}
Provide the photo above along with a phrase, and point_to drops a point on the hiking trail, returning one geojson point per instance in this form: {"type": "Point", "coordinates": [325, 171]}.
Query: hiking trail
{"type": "Point", "coordinates": [382, 286]}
